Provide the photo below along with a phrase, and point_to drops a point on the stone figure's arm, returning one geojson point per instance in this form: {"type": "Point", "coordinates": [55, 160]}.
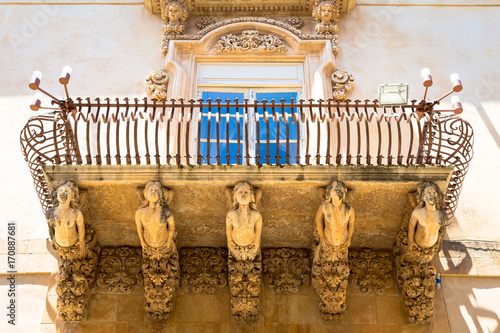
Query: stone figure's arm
{"type": "Point", "coordinates": [320, 223]}
{"type": "Point", "coordinates": [171, 230]}
{"type": "Point", "coordinates": [52, 230]}
{"type": "Point", "coordinates": [140, 228]}
{"type": "Point", "coordinates": [229, 232]}
{"type": "Point", "coordinates": [80, 225]}
{"type": "Point", "coordinates": [350, 226]}
{"type": "Point", "coordinates": [411, 229]}
{"type": "Point", "coordinates": [258, 230]}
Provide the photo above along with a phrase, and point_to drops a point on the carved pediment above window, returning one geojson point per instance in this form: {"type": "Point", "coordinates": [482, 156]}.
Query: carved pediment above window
{"type": "Point", "coordinates": [250, 41]}
{"type": "Point", "coordinates": [263, 7]}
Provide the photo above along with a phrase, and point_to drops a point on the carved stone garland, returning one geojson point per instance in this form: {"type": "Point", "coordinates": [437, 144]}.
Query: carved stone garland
{"type": "Point", "coordinates": [342, 83]}
{"type": "Point", "coordinates": [120, 269]}
{"type": "Point", "coordinates": [204, 22]}
{"type": "Point", "coordinates": [77, 262]}
{"type": "Point", "coordinates": [160, 261]}
{"type": "Point", "coordinates": [156, 85]}
{"type": "Point", "coordinates": [203, 269]}
{"type": "Point", "coordinates": [250, 41]}
{"type": "Point", "coordinates": [286, 270]}
{"type": "Point", "coordinates": [416, 277]}
{"type": "Point", "coordinates": [245, 265]}
{"type": "Point", "coordinates": [371, 271]}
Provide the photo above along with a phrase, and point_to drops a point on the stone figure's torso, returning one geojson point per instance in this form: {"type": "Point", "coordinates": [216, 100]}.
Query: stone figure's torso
{"type": "Point", "coordinates": [428, 225]}
{"type": "Point", "coordinates": [336, 220]}
{"type": "Point", "coordinates": [155, 225]}
{"type": "Point", "coordinates": [64, 222]}
{"type": "Point", "coordinates": [243, 232]}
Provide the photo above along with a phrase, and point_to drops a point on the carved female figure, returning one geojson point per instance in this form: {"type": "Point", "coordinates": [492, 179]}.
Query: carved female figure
{"type": "Point", "coordinates": [243, 224]}
{"type": "Point", "coordinates": [325, 16]}
{"type": "Point", "coordinates": [66, 225]}
{"type": "Point", "coordinates": [427, 218]}
{"type": "Point", "coordinates": [154, 219]}
{"type": "Point", "coordinates": [334, 223]}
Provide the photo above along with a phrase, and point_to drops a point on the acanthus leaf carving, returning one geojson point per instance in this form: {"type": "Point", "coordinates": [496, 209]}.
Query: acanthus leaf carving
{"type": "Point", "coordinates": [250, 41]}
{"type": "Point", "coordinates": [342, 83]}
{"type": "Point", "coordinates": [73, 238]}
{"type": "Point", "coordinates": [415, 248]}
{"type": "Point", "coordinates": [371, 271]}
{"type": "Point", "coordinates": [244, 286]}
{"type": "Point", "coordinates": [120, 269]}
{"type": "Point", "coordinates": [286, 269]}
{"type": "Point", "coordinates": [156, 85]}
{"type": "Point", "coordinates": [294, 21]}
{"type": "Point", "coordinates": [204, 22]}
{"type": "Point", "coordinates": [203, 269]}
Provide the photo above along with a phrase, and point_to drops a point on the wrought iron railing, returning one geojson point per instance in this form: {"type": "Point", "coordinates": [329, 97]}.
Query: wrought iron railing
{"type": "Point", "coordinates": [141, 132]}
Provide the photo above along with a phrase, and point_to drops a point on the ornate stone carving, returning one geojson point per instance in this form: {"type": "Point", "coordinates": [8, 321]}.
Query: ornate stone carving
{"type": "Point", "coordinates": [325, 16]}
{"type": "Point", "coordinates": [73, 238]}
{"type": "Point", "coordinates": [417, 243]}
{"type": "Point", "coordinates": [160, 261]}
{"type": "Point", "coordinates": [342, 83]}
{"type": "Point", "coordinates": [287, 270]}
{"type": "Point", "coordinates": [332, 237]}
{"type": "Point", "coordinates": [243, 230]}
{"type": "Point", "coordinates": [371, 271]}
{"type": "Point", "coordinates": [204, 22]}
{"type": "Point", "coordinates": [120, 269]}
{"type": "Point", "coordinates": [174, 16]}
{"type": "Point", "coordinates": [156, 85]}
{"type": "Point", "coordinates": [203, 269]}
{"type": "Point", "coordinates": [294, 21]}
{"type": "Point", "coordinates": [250, 41]}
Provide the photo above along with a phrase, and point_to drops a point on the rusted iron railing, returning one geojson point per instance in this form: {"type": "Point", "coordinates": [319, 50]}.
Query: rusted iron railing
{"type": "Point", "coordinates": [142, 132]}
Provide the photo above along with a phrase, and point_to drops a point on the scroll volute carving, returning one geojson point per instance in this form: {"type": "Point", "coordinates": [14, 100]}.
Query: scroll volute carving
{"type": "Point", "coordinates": [74, 239]}
{"type": "Point", "coordinates": [160, 261]}
{"type": "Point", "coordinates": [332, 237]}
{"type": "Point", "coordinates": [342, 83]}
{"type": "Point", "coordinates": [243, 229]}
{"type": "Point", "coordinates": [325, 16]}
{"type": "Point", "coordinates": [418, 241]}
{"type": "Point", "coordinates": [156, 85]}
{"type": "Point", "coordinates": [174, 16]}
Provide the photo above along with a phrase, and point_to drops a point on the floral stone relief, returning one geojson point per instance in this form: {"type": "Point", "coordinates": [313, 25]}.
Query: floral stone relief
{"type": "Point", "coordinates": [160, 261]}
{"type": "Point", "coordinates": [243, 230]}
{"type": "Point", "coordinates": [73, 238]}
{"type": "Point", "coordinates": [250, 41]}
{"type": "Point", "coordinates": [332, 237]}
{"type": "Point", "coordinates": [120, 269]}
{"type": "Point", "coordinates": [371, 271]}
{"type": "Point", "coordinates": [203, 269]}
{"type": "Point", "coordinates": [418, 241]}
{"type": "Point", "coordinates": [287, 270]}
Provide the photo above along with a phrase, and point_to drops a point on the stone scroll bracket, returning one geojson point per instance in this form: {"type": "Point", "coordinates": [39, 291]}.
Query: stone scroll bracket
{"type": "Point", "coordinates": [156, 85]}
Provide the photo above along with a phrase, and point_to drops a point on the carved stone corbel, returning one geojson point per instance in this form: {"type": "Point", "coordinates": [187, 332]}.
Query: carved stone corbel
{"type": "Point", "coordinates": [418, 241]}
{"type": "Point", "coordinates": [287, 270]}
{"type": "Point", "coordinates": [73, 238]}
{"type": "Point", "coordinates": [342, 83]}
{"type": "Point", "coordinates": [160, 261]}
{"type": "Point", "coordinates": [156, 85]}
{"type": "Point", "coordinates": [332, 237]}
{"type": "Point", "coordinates": [243, 230]}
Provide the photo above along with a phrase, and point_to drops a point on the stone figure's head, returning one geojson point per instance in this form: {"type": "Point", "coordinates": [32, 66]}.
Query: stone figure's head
{"type": "Point", "coordinates": [243, 193]}
{"type": "Point", "coordinates": [336, 191]}
{"type": "Point", "coordinates": [428, 193]}
{"type": "Point", "coordinates": [153, 192]}
{"type": "Point", "coordinates": [67, 192]}
{"type": "Point", "coordinates": [175, 13]}
{"type": "Point", "coordinates": [325, 12]}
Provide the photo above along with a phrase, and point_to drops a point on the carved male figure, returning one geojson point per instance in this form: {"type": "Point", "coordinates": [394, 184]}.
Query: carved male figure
{"type": "Point", "coordinates": [154, 219]}
{"type": "Point", "coordinates": [175, 16]}
{"type": "Point", "coordinates": [334, 221]}
{"type": "Point", "coordinates": [427, 218]}
{"type": "Point", "coordinates": [243, 224]}
{"type": "Point", "coordinates": [325, 16]}
{"type": "Point", "coordinates": [66, 225]}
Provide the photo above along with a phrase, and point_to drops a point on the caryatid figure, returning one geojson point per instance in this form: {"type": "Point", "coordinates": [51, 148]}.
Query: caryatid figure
{"type": "Point", "coordinates": [334, 223]}
{"type": "Point", "coordinates": [154, 219]}
{"type": "Point", "coordinates": [427, 218]}
{"type": "Point", "coordinates": [66, 224]}
{"type": "Point", "coordinates": [243, 224]}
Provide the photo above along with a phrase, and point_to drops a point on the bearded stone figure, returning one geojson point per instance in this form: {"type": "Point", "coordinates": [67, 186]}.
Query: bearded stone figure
{"type": "Point", "coordinates": [160, 261]}
{"type": "Point", "coordinates": [78, 252]}
{"type": "Point", "coordinates": [419, 240]}
{"type": "Point", "coordinates": [243, 230]}
{"type": "Point", "coordinates": [333, 235]}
